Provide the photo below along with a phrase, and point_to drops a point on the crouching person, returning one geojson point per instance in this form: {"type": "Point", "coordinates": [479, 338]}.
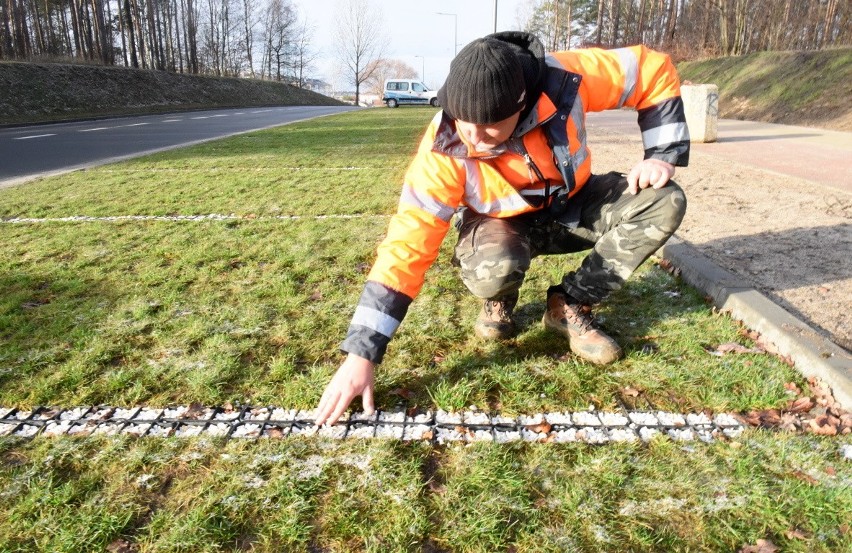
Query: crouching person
{"type": "Point", "coordinates": [508, 154]}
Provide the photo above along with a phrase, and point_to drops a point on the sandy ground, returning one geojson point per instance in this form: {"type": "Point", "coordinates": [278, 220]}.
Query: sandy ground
{"type": "Point", "coordinates": [790, 237]}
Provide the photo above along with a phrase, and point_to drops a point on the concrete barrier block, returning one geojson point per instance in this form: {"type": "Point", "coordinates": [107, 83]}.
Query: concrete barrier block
{"type": "Point", "coordinates": [701, 104]}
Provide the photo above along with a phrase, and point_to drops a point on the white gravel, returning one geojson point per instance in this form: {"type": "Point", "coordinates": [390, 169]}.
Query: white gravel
{"type": "Point", "coordinates": [670, 419]}
{"type": "Point", "coordinates": [392, 416]}
{"type": "Point", "coordinates": [642, 419]}
{"type": "Point", "coordinates": [443, 417]}
{"type": "Point", "coordinates": [73, 414]}
{"type": "Point", "coordinates": [6, 428]}
{"type": "Point", "coordinates": [188, 430]}
{"type": "Point", "coordinates": [472, 425]}
{"type": "Point", "coordinates": [584, 418]}
{"type": "Point", "coordinates": [147, 414]}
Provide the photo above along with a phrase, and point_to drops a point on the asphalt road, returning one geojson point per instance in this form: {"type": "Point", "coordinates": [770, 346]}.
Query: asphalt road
{"type": "Point", "coordinates": [39, 150]}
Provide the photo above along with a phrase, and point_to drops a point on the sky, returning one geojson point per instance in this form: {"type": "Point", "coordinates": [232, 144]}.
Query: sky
{"type": "Point", "coordinates": [412, 29]}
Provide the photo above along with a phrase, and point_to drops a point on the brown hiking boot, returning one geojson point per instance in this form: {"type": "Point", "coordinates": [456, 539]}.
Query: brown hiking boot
{"type": "Point", "coordinates": [495, 319]}
{"type": "Point", "coordinates": [575, 322]}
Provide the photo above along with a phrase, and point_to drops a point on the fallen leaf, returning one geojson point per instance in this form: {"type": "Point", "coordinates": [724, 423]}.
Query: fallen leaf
{"type": "Point", "coordinates": [542, 427]}
{"type": "Point", "coordinates": [463, 430]}
{"type": "Point", "coordinates": [404, 393]}
{"type": "Point", "coordinates": [762, 546]}
{"type": "Point", "coordinates": [733, 347]}
{"type": "Point", "coordinates": [795, 534]}
{"type": "Point", "coordinates": [428, 435]}
{"type": "Point", "coordinates": [801, 405]}
{"type": "Point", "coordinates": [316, 296]}
{"type": "Point", "coordinates": [274, 432]}
{"type": "Point", "coordinates": [822, 426]}
{"type": "Point", "coordinates": [791, 387]}
{"type": "Point", "coordinates": [630, 392]}
{"type": "Point", "coordinates": [121, 546]}
{"type": "Point", "coordinates": [805, 477]}
{"type": "Point", "coordinates": [829, 470]}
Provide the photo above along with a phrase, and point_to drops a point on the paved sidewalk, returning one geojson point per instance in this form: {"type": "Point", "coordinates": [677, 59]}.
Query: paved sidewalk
{"type": "Point", "coordinates": [823, 158]}
{"type": "Point", "coordinates": [818, 155]}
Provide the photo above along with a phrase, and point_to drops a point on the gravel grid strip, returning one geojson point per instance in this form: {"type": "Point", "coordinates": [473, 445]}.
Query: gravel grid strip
{"type": "Point", "coordinates": [439, 427]}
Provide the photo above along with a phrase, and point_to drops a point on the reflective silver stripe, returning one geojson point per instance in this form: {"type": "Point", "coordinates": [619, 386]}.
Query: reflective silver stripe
{"type": "Point", "coordinates": [426, 203]}
{"type": "Point", "coordinates": [382, 323]}
{"type": "Point", "coordinates": [665, 134]}
{"type": "Point", "coordinates": [578, 116]}
{"type": "Point", "coordinates": [535, 192]}
{"type": "Point", "coordinates": [630, 64]}
{"type": "Point", "coordinates": [473, 198]}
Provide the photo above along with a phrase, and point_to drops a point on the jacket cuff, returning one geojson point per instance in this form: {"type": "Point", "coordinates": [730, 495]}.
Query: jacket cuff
{"type": "Point", "coordinates": [379, 313]}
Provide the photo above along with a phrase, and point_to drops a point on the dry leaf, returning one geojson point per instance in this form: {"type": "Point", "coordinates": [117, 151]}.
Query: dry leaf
{"type": "Point", "coordinates": [791, 387]}
{"type": "Point", "coordinates": [733, 347]}
{"type": "Point", "coordinates": [801, 405]}
{"type": "Point", "coordinates": [274, 432]}
{"type": "Point", "coordinates": [542, 427]}
{"type": "Point", "coordinates": [630, 392]}
{"type": "Point", "coordinates": [404, 393]}
{"type": "Point", "coordinates": [830, 471]}
{"type": "Point", "coordinates": [428, 435]}
{"type": "Point", "coordinates": [762, 546]}
{"type": "Point", "coordinates": [805, 477]}
{"type": "Point", "coordinates": [822, 426]}
{"type": "Point", "coordinates": [316, 296]}
{"type": "Point", "coordinates": [795, 534]}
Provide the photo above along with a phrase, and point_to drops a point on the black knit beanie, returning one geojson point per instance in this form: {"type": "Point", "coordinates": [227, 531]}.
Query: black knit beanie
{"type": "Point", "coordinates": [485, 84]}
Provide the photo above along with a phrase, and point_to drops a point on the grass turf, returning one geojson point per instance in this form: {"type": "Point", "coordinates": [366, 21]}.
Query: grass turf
{"type": "Point", "coordinates": [252, 311]}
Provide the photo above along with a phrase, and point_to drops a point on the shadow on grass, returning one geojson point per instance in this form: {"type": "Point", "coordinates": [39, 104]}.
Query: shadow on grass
{"type": "Point", "coordinates": [44, 318]}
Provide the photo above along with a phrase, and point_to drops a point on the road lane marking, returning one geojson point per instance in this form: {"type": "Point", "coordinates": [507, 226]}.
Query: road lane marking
{"type": "Point", "coordinates": [95, 129]}
{"type": "Point", "coordinates": [203, 117]}
{"type": "Point", "coordinates": [33, 136]}
{"type": "Point", "coordinates": [171, 120]}
{"type": "Point", "coordinates": [136, 125]}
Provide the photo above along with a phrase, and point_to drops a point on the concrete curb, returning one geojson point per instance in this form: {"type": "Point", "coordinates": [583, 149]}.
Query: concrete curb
{"type": "Point", "coordinates": [812, 354]}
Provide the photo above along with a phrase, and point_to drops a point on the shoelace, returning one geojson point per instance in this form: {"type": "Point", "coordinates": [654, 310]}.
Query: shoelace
{"type": "Point", "coordinates": [502, 309]}
{"type": "Point", "coordinates": [580, 316]}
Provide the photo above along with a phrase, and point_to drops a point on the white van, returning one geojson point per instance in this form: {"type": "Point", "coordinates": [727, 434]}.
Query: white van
{"type": "Point", "coordinates": [408, 91]}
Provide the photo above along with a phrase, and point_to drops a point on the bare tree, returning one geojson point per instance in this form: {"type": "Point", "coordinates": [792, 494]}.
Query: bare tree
{"type": "Point", "coordinates": [360, 41]}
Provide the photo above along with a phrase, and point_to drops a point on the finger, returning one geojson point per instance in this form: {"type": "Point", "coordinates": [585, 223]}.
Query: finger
{"type": "Point", "coordinates": [632, 184]}
{"type": "Point", "coordinates": [322, 414]}
{"type": "Point", "coordinates": [342, 404]}
{"type": "Point", "coordinates": [662, 179]}
{"type": "Point", "coordinates": [367, 400]}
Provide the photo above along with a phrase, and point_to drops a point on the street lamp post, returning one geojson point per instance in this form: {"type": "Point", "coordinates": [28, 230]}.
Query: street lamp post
{"type": "Point", "coordinates": [455, 32]}
{"type": "Point", "coordinates": [422, 68]}
{"type": "Point", "coordinates": [495, 16]}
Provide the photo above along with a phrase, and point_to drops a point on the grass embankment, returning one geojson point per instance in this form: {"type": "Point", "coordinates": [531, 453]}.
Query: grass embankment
{"type": "Point", "coordinates": [38, 92]}
{"type": "Point", "coordinates": [252, 311]}
{"type": "Point", "coordinates": [793, 88]}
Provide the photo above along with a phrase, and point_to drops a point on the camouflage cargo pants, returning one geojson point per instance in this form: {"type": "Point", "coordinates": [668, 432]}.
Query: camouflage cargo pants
{"type": "Point", "coordinates": [622, 231]}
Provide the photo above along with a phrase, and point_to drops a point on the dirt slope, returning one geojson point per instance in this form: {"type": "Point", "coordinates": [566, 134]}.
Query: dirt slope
{"type": "Point", "coordinates": [32, 92]}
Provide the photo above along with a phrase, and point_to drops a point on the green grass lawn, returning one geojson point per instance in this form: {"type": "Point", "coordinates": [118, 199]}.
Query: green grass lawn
{"type": "Point", "coordinates": [251, 311]}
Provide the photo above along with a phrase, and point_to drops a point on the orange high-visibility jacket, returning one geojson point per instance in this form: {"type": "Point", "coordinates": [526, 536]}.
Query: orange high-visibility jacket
{"type": "Point", "coordinates": [547, 151]}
